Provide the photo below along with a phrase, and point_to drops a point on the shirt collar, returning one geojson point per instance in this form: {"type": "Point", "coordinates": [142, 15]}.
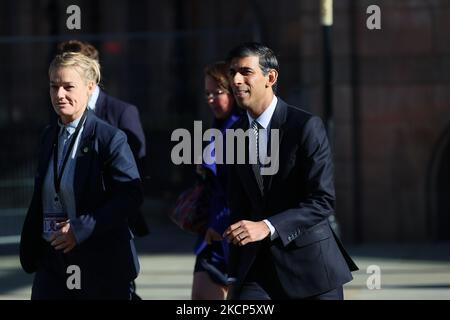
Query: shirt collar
{"type": "Point", "coordinates": [70, 127]}
{"type": "Point", "coordinates": [265, 117]}
{"type": "Point", "coordinates": [93, 99]}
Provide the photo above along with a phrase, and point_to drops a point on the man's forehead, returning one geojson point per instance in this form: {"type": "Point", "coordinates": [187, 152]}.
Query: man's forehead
{"type": "Point", "coordinates": [242, 62]}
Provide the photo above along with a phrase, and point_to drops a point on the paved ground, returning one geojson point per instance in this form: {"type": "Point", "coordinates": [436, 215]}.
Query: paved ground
{"type": "Point", "coordinates": [409, 271]}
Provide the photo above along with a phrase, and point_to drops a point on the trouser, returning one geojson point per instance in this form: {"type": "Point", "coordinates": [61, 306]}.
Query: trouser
{"type": "Point", "coordinates": [254, 291]}
{"type": "Point", "coordinates": [51, 282]}
{"type": "Point", "coordinates": [262, 283]}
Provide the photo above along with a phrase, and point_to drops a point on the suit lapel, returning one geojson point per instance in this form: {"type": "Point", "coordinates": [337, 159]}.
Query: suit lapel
{"type": "Point", "coordinates": [259, 190]}
{"type": "Point", "coordinates": [46, 151]}
{"type": "Point", "coordinates": [278, 121]}
{"type": "Point", "coordinates": [84, 158]}
{"type": "Point", "coordinates": [246, 170]}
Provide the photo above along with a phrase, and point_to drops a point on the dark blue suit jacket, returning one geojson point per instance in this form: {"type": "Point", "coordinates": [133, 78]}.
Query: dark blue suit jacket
{"type": "Point", "coordinates": [125, 116]}
{"type": "Point", "coordinates": [308, 258]}
{"type": "Point", "coordinates": [108, 187]}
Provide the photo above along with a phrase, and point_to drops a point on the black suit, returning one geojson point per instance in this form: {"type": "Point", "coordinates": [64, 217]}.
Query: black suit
{"type": "Point", "coordinates": [125, 116]}
{"type": "Point", "coordinates": [306, 259]}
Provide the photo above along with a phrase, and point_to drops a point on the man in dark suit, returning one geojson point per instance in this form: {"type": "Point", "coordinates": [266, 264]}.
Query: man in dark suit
{"type": "Point", "coordinates": [119, 114]}
{"type": "Point", "coordinates": [283, 246]}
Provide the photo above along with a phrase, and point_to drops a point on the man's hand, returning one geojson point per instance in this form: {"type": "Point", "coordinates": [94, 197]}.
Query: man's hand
{"type": "Point", "coordinates": [63, 239]}
{"type": "Point", "coordinates": [245, 231]}
{"type": "Point", "coordinates": [212, 235]}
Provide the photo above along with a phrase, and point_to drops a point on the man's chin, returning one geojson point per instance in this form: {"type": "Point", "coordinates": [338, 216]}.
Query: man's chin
{"type": "Point", "coordinates": [242, 104]}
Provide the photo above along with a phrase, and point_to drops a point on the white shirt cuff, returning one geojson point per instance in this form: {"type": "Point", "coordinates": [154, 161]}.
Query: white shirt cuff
{"type": "Point", "coordinates": [273, 232]}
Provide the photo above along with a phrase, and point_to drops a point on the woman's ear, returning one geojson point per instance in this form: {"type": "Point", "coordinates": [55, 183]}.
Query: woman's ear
{"type": "Point", "coordinates": [91, 86]}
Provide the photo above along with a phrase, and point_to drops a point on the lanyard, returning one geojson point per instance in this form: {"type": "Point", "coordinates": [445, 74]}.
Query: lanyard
{"type": "Point", "coordinates": [57, 178]}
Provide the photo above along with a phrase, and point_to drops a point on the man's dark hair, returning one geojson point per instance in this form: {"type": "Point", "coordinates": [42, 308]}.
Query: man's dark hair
{"type": "Point", "coordinates": [78, 46]}
{"type": "Point", "coordinates": [267, 58]}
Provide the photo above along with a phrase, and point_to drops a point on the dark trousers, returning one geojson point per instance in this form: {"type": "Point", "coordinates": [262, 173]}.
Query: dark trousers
{"type": "Point", "coordinates": [262, 283]}
{"type": "Point", "coordinates": [253, 291]}
{"type": "Point", "coordinates": [50, 283]}
{"type": "Point", "coordinates": [47, 286]}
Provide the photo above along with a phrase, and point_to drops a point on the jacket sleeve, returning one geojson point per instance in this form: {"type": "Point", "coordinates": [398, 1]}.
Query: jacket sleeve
{"type": "Point", "coordinates": [31, 242]}
{"type": "Point", "coordinates": [123, 186]}
{"type": "Point", "coordinates": [314, 161]}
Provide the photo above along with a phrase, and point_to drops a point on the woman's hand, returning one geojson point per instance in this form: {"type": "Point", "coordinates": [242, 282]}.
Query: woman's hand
{"type": "Point", "coordinates": [211, 235]}
{"type": "Point", "coordinates": [64, 238]}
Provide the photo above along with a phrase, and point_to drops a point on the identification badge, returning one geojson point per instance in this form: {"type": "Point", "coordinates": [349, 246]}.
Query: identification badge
{"type": "Point", "coordinates": [51, 220]}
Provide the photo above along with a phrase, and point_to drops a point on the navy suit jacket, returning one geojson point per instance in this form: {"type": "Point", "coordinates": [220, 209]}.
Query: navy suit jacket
{"type": "Point", "coordinates": [106, 186]}
{"type": "Point", "coordinates": [125, 116]}
{"type": "Point", "coordinates": [297, 200]}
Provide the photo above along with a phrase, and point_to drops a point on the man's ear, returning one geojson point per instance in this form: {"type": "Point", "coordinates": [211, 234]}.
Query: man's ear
{"type": "Point", "coordinates": [272, 77]}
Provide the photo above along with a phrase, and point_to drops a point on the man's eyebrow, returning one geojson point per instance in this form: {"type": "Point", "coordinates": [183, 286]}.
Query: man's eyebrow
{"type": "Point", "coordinates": [241, 69]}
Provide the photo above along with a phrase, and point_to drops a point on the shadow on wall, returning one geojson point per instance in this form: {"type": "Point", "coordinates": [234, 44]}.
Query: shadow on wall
{"type": "Point", "coordinates": [438, 189]}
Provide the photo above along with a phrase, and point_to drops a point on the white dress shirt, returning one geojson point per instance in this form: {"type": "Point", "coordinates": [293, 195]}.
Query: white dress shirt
{"type": "Point", "coordinates": [264, 121]}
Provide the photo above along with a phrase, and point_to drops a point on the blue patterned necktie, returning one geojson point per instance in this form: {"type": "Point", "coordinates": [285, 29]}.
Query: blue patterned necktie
{"type": "Point", "coordinates": [257, 166]}
{"type": "Point", "coordinates": [255, 129]}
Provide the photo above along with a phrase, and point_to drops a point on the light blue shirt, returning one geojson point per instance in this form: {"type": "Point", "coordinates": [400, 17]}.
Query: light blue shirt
{"type": "Point", "coordinates": [264, 120]}
{"type": "Point", "coordinates": [93, 98]}
{"type": "Point", "coordinates": [81, 226]}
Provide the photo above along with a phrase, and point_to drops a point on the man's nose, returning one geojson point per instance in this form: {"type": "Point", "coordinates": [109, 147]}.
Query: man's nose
{"type": "Point", "coordinates": [237, 79]}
